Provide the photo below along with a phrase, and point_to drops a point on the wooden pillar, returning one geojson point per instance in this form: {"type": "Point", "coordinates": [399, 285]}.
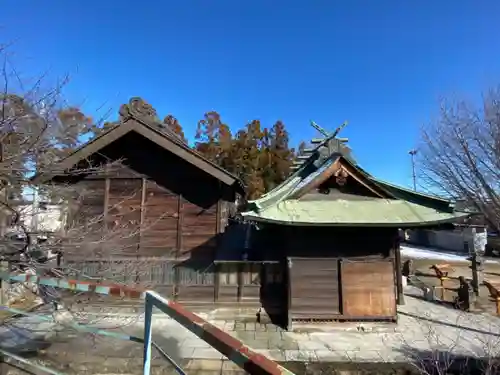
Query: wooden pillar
{"type": "Point", "coordinates": [105, 216]}
{"type": "Point", "coordinates": [218, 225]}
{"type": "Point", "coordinates": [144, 184]}
{"type": "Point", "coordinates": [180, 219]}
{"type": "Point", "coordinates": [241, 267]}
{"type": "Point", "coordinates": [217, 268]}
{"type": "Point", "coordinates": [107, 185]}
{"type": "Point", "coordinates": [287, 268]}
{"type": "Point", "coordinates": [144, 187]}
{"type": "Point", "coordinates": [218, 231]}
{"type": "Point", "coordinates": [477, 272]}
{"type": "Point", "coordinates": [399, 277]}
{"type": "Point", "coordinates": [178, 251]}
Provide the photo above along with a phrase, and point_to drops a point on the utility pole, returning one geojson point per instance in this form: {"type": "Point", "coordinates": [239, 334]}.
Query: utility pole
{"type": "Point", "coordinates": [413, 153]}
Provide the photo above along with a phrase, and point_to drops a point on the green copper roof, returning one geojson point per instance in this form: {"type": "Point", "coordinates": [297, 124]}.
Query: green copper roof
{"type": "Point", "coordinates": [301, 177]}
{"type": "Point", "coordinates": [401, 207]}
{"type": "Point", "coordinates": [370, 212]}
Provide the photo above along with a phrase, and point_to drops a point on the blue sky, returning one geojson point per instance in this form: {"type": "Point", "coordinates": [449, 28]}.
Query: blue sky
{"type": "Point", "coordinates": [382, 65]}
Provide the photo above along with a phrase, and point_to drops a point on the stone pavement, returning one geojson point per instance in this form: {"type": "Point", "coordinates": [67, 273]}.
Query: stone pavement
{"type": "Point", "coordinates": [423, 328]}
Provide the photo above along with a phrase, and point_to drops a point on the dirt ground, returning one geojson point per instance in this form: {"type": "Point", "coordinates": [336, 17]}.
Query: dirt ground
{"type": "Point", "coordinates": [484, 302]}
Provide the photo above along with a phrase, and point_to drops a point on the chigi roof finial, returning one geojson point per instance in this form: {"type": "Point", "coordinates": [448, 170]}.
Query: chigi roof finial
{"type": "Point", "coordinates": [329, 141]}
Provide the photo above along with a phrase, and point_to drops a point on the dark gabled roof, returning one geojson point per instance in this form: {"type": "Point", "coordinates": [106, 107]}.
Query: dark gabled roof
{"type": "Point", "coordinates": [137, 117]}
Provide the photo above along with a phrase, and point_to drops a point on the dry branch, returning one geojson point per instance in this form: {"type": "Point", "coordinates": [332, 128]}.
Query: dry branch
{"type": "Point", "coordinates": [38, 129]}
{"type": "Point", "coordinates": [460, 155]}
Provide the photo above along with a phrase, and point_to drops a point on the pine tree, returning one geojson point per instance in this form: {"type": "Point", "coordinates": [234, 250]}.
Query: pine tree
{"type": "Point", "coordinates": [214, 139]}
{"type": "Point", "coordinates": [281, 155]}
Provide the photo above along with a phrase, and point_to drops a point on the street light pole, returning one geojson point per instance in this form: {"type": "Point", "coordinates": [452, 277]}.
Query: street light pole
{"type": "Point", "coordinates": [413, 153]}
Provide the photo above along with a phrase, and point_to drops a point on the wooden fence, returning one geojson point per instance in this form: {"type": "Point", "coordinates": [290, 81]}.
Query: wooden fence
{"type": "Point", "coordinates": [184, 280]}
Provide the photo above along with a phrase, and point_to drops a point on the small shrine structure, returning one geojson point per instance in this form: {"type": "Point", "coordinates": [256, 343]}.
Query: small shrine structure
{"type": "Point", "coordinates": [333, 228]}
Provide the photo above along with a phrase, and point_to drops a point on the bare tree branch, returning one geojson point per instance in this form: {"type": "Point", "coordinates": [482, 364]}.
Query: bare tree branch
{"type": "Point", "coordinates": [38, 129]}
{"type": "Point", "coordinates": [460, 155]}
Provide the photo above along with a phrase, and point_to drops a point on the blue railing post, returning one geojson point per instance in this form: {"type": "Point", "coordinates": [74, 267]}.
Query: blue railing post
{"type": "Point", "coordinates": [148, 320]}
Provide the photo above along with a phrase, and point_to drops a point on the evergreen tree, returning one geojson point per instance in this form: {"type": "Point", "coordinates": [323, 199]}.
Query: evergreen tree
{"type": "Point", "coordinates": [214, 139]}
{"type": "Point", "coordinates": [260, 157]}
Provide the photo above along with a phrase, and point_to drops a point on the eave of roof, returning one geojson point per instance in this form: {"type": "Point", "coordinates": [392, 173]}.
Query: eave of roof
{"type": "Point", "coordinates": [372, 212]}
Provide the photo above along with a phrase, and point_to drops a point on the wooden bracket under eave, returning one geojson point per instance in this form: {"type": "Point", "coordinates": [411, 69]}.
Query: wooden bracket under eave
{"type": "Point", "coordinates": [352, 172]}
{"type": "Point", "coordinates": [339, 168]}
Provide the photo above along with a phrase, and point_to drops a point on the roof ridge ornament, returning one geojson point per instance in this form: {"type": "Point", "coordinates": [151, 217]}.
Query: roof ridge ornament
{"type": "Point", "coordinates": [323, 146]}
{"type": "Point", "coordinates": [319, 128]}
{"type": "Point", "coordinates": [139, 109]}
{"type": "Point", "coordinates": [326, 134]}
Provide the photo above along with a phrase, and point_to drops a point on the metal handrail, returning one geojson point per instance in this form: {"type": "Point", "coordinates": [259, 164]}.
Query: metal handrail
{"type": "Point", "coordinates": [232, 348]}
{"type": "Point", "coordinates": [87, 329]}
{"type": "Point", "coordinates": [30, 363]}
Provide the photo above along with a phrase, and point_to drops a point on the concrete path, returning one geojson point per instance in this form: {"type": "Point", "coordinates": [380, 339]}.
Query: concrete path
{"type": "Point", "coordinates": [424, 328]}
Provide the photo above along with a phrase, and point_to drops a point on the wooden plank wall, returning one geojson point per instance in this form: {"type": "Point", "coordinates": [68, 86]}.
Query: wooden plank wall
{"type": "Point", "coordinates": [368, 288]}
{"type": "Point", "coordinates": [158, 239]}
{"type": "Point", "coordinates": [339, 288]}
{"type": "Point", "coordinates": [323, 287]}
{"type": "Point", "coordinates": [162, 215]}
{"type": "Point", "coordinates": [314, 288]}
{"type": "Point", "coordinates": [239, 283]}
{"type": "Point", "coordinates": [122, 209]}
{"type": "Point", "coordinates": [171, 226]}
{"type": "Point", "coordinates": [198, 230]}
{"type": "Point", "coordinates": [229, 282]}
{"type": "Point", "coordinates": [86, 220]}
{"type": "Point", "coordinates": [146, 234]}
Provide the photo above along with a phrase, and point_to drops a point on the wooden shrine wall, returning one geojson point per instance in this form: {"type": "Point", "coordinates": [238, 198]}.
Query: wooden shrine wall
{"type": "Point", "coordinates": [314, 288]}
{"type": "Point", "coordinates": [341, 274]}
{"type": "Point", "coordinates": [136, 231]}
{"type": "Point", "coordinates": [338, 289]}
